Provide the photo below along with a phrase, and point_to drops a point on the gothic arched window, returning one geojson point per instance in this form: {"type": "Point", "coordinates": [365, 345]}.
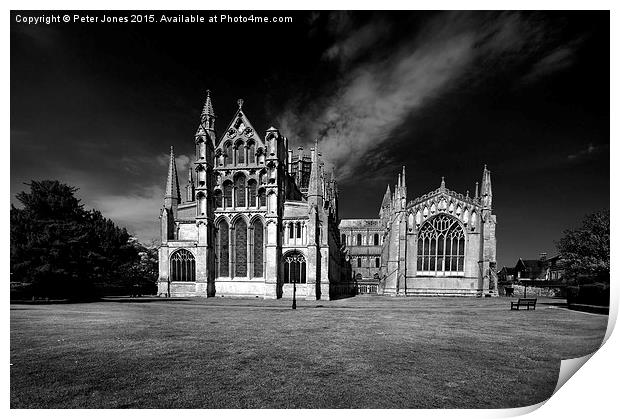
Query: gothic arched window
{"type": "Point", "coordinates": [227, 195]}
{"type": "Point", "coordinates": [182, 266]}
{"type": "Point", "coordinates": [375, 240]}
{"type": "Point", "coordinates": [251, 153]}
{"type": "Point", "coordinates": [241, 248]}
{"type": "Point", "coordinates": [359, 239]}
{"type": "Point", "coordinates": [343, 239]}
{"type": "Point", "coordinates": [298, 230]}
{"type": "Point", "coordinates": [240, 190]}
{"type": "Point", "coordinates": [359, 262]}
{"type": "Point", "coordinates": [262, 198]}
{"type": "Point", "coordinates": [377, 263]}
{"type": "Point", "coordinates": [441, 247]}
{"type": "Point", "coordinates": [258, 248]}
{"type": "Point", "coordinates": [294, 268]}
{"type": "Point", "coordinates": [217, 195]}
{"type": "Point", "coordinates": [227, 153]}
{"type": "Point", "coordinates": [240, 153]}
{"type": "Point", "coordinates": [252, 193]}
{"type": "Point", "coordinates": [222, 248]}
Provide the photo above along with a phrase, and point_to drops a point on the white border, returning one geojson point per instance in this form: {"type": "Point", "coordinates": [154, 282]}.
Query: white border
{"type": "Point", "coordinates": [590, 393]}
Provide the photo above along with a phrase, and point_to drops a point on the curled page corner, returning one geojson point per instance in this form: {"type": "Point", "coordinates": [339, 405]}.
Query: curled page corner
{"type": "Point", "coordinates": [568, 367]}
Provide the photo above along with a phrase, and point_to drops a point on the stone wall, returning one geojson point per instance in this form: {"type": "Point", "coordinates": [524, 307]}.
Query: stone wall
{"type": "Point", "coordinates": [534, 291]}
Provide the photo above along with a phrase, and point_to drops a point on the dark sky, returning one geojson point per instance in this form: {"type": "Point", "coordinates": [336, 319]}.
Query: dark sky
{"type": "Point", "coordinates": [98, 106]}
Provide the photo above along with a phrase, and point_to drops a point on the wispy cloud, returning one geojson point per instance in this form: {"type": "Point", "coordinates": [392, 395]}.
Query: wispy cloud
{"type": "Point", "coordinates": [380, 85]}
{"type": "Point", "coordinates": [558, 59]}
{"type": "Point", "coordinates": [587, 152]}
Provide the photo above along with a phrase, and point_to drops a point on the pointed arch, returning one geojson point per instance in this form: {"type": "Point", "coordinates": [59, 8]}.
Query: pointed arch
{"type": "Point", "coordinates": [294, 267]}
{"type": "Point", "coordinates": [252, 191]}
{"type": "Point", "coordinates": [240, 247]}
{"type": "Point", "coordinates": [259, 236]}
{"type": "Point", "coordinates": [227, 188]}
{"type": "Point", "coordinates": [222, 251]}
{"type": "Point", "coordinates": [228, 156]}
{"type": "Point", "coordinates": [240, 189]}
{"type": "Point", "coordinates": [182, 266]}
{"type": "Point", "coordinates": [251, 152]}
{"type": "Point", "coordinates": [239, 152]}
{"type": "Point", "coordinates": [262, 198]}
{"type": "Point", "coordinates": [217, 198]}
{"type": "Point", "coordinates": [441, 247]}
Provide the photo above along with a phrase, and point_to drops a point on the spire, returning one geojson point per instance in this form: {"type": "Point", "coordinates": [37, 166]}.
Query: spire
{"type": "Point", "coordinates": [485, 189]}
{"type": "Point", "coordinates": [442, 186]}
{"type": "Point", "coordinates": [404, 185]}
{"type": "Point", "coordinates": [387, 198]}
{"type": "Point", "coordinates": [173, 194]}
{"type": "Point", "coordinates": [476, 195]}
{"type": "Point", "coordinates": [207, 110]}
{"type": "Point", "coordinates": [207, 118]}
{"type": "Point", "coordinates": [240, 103]}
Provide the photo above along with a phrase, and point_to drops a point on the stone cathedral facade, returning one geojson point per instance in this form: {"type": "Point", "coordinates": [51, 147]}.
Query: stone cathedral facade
{"type": "Point", "coordinates": [441, 243]}
{"type": "Point", "coordinates": [258, 220]}
{"type": "Point", "coordinates": [255, 220]}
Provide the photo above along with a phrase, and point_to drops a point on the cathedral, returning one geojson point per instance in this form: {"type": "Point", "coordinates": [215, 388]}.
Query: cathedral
{"type": "Point", "coordinates": [258, 220]}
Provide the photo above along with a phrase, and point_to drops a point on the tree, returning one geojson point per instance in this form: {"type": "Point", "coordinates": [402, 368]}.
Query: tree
{"type": "Point", "coordinates": [62, 250]}
{"type": "Point", "coordinates": [585, 250]}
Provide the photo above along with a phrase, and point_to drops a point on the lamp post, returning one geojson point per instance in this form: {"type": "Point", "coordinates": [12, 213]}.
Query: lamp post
{"type": "Point", "coordinates": [294, 292]}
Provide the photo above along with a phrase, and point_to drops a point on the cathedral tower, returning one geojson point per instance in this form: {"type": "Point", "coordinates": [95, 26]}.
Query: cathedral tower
{"type": "Point", "coordinates": [204, 140]}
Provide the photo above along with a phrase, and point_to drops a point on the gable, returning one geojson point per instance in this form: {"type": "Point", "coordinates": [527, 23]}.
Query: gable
{"type": "Point", "coordinates": [240, 129]}
{"type": "Point", "coordinates": [443, 200]}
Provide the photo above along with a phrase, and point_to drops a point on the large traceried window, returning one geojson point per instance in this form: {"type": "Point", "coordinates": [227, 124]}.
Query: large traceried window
{"type": "Point", "coordinates": [441, 247]}
{"type": "Point", "coordinates": [182, 266]}
{"type": "Point", "coordinates": [294, 268]}
{"type": "Point", "coordinates": [258, 248]}
{"type": "Point", "coordinates": [241, 248]}
{"type": "Point", "coordinates": [222, 248]}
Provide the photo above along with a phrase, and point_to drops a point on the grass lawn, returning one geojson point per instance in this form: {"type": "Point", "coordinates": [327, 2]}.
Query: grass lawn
{"type": "Point", "coordinates": [362, 352]}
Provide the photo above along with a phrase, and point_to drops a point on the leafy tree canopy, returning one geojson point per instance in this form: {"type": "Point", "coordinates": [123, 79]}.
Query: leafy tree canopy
{"type": "Point", "coordinates": [585, 250]}
{"type": "Point", "coordinates": [61, 249]}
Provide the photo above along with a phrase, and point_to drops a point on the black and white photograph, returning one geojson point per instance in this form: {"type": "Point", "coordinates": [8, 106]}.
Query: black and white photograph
{"type": "Point", "coordinates": [272, 209]}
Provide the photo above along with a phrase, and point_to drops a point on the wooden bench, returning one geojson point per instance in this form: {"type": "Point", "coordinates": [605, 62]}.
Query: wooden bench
{"type": "Point", "coordinates": [525, 302]}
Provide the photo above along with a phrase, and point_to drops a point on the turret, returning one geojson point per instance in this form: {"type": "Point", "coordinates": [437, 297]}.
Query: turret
{"type": "Point", "coordinates": [190, 189]}
{"type": "Point", "coordinates": [203, 165]}
{"type": "Point", "coordinates": [404, 186]}
{"type": "Point", "coordinates": [486, 191]}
